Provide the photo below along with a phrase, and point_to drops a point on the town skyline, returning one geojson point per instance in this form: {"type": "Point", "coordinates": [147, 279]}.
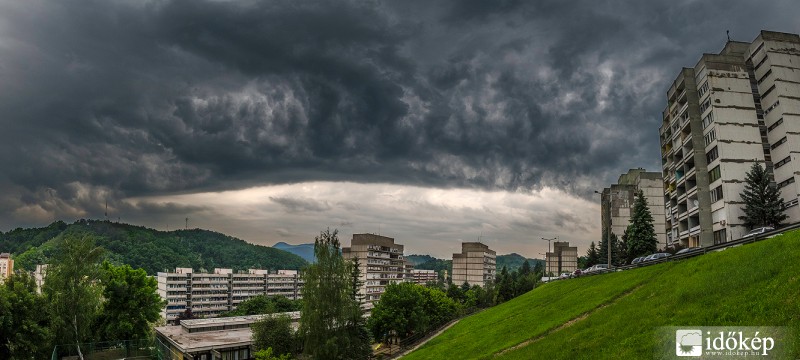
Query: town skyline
{"type": "Point", "coordinates": [434, 124]}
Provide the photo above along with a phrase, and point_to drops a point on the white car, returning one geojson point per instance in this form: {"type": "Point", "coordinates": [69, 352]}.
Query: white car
{"type": "Point", "coordinates": [759, 231]}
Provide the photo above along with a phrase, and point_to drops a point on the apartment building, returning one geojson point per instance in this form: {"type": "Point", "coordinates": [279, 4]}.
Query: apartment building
{"type": "Point", "coordinates": [381, 263]}
{"type": "Point", "coordinates": [733, 109]}
{"type": "Point", "coordinates": [474, 265]}
{"type": "Point", "coordinates": [563, 258]}
{"type": "Point", "coordinates": [210, 294]}
{"type": "Point", "coordinates": [618, 199]}
{"type": "Point", "coordinates": [423, 277]}
{"type": "Point", "coordinates": [6, 266]}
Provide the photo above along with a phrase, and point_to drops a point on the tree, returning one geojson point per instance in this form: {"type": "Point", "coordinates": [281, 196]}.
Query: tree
{"type": "Point", "coordinates": [23, 325]}
{"type": "Point", "coordinates": [331, 322]}
{"type": "Point", "coordinates": [266, 354]}
{"type": "Point", "coordinates": [274, 333]}
{"type": "Point", "coordinates": [505, 286]}
{"type": "Point", "coordinates": [592, 256]}
{"type": "Point", "coordinates": [641, 234]}
{"type": "Point", "coordinates": [131, 303]}
{"type": "Point", "coordinates": [400, 311]}
{"type": "Point", "coordinates": [72, 289]}
{"type": "Point", "coordinates": [763, 205]}
{"type": "Point", "coordinates": [525, 270]}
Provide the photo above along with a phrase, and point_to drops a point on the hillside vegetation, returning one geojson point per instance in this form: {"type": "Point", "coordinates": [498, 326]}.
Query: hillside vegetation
{"type": "Point", "coordinates": [149, 249]}
{"type": "Point", "coordinates": [617, 316]}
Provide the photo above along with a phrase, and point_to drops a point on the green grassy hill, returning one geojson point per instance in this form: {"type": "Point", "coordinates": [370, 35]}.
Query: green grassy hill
{"type": "Point", "coordinates": [617, 316]}
{"type": "Point", "coordinates": [149, 249]}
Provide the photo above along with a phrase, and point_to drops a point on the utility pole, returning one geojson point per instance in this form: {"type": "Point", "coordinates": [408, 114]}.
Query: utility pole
{"type": "Point", "coordinates": [546, 264]}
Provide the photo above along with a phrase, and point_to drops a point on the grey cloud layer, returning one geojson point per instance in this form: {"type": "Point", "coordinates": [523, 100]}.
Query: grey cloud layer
{"type": "Point", "coordinates": [134, 98]}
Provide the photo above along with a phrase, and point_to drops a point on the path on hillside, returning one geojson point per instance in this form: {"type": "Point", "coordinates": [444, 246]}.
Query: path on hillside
{"type": "Point", "coordinates": [428, 338]}
{"type": "Point", "coordinates": [568, 323]}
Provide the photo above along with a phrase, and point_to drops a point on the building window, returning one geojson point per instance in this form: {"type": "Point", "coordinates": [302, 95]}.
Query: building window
{"type": "Point", "coordinates": [702, 90]}
{"type": "Point", "coordinates": [708, 119]}
{"type": "Point", "coordinates": [761, 62]}
{"type": "Point", "coordinates": [779, 143]}
{"type": "Point", "coordinates": [771, 88]}
{"type": "Point", "coordinates": [719, 237]}
{"type": "Point", "coordinates": [710, 137]}
{"type": "Point", "coordinates": [783, 162]}
{"type": "Point", "coordinates": [716, 194]}
{"type": "Point", "coordinates": [714, 174]}
{"type": "Point", "coordinates": [772, 107]}
{"type": "Point", "coordinates": [776, 124]}
{"type": "Point", "coordinates": [786, 182]}
{"type": "Point", "coordinates": [790, 203]}
{"type": "Point", "coordinates": [712, 155]}
{"type": "Point", "coordinates": [768, 73]}
{"type": "Point", "coordinates": [705, 105]}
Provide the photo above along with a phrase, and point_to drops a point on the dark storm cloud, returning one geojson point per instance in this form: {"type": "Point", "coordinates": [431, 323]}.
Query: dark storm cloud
{"type": "Point", "coordinates": [104, 100]}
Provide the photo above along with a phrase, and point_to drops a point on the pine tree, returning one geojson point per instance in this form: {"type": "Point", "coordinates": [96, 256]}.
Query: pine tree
{"type": "Point", "coordinates": [641, 234]}
{"type": "Point", "coordinates": [331, 321]}
{"type": "Point", "coordinates": [592, 257]}
{"type": "Point", "coordinates": [763, 203]}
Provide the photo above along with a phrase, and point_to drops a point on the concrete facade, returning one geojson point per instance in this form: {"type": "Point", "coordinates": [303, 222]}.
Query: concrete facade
{"type": "Point", "coordinates": [210, 294]}
{"type": "Point", "coordinates": [618, 199]}
{"type": "Point", "coordinates": [212, 339]}
{"type": "Point", "coordinates": [381, 263]}
{"type": "Point", "coordinates": [731, 110]}
{"type": "Point", "coordinates": [6, 266]}
{"type": "Point", "coordinates": [563, 258]}
{"type": "Point", "coordinates": [475, 265]}
{"type": "Point", "coordinates": [423, 277]}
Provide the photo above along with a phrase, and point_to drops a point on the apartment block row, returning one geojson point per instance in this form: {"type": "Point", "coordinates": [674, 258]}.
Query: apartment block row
{"type": "Point", "coordinates": [382, 262]}
{"type": "Point", "coordinates": [210, 294]}
{"type": "Point", "coordinates": [731, 110]}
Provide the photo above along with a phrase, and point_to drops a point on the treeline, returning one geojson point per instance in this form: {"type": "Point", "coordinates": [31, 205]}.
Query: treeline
{"type": "Point", "coordinates": [84, 299]}
{"type": "Point", "coordinates": [149, 249]}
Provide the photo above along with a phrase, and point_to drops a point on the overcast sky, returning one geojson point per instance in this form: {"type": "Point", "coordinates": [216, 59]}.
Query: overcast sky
{"type": "Point", "coordinates": [433, 122]}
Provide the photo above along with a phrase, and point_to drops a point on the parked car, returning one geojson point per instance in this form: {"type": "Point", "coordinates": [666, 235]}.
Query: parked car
{"type": "Point", "coordinates": [688, 250]}
{"type": "Point", "coordinates": [647, 258]}
{"type": "Point", "coordinates": [637, 260]}
{"type": "Point", "coordinates": [564, 276]}
{"type": "Point", "coordinates": [759, 231]}
{"type": "Point", "coordinates": [577, 273]}
{"type": "Point", "coordinates": [657, 256]}
{"type": "Point", "coordinates": [597, 268]}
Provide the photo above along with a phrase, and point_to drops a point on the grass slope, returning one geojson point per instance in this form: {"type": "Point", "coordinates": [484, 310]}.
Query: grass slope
{"type": "Point", "coordinates": [616, 316]}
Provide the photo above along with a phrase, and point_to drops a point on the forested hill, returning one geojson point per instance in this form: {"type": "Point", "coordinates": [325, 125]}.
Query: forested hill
{"type": "Point", "coordinates": [149, 249]}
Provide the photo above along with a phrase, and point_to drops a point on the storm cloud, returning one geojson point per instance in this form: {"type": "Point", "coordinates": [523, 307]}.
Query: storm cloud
{"type": "Point", "coordinates": [106, 100]}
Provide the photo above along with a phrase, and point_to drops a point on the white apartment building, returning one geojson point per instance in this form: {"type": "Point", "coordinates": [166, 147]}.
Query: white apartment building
{"type": "Point", "coordinates": [381, 263]}
{"type": "Point", "coordinates": [731, 110]}
{"type": "Point", "coordinates": [618, 199]}
{"type": "Point", "coordinates": [422, 277]}
{"type": "Point", "coordinates": [6, 266]}
{"type": "Point", "coordinates": [210, 294]}
{"type": "Point", "coordinates": [475, 264]}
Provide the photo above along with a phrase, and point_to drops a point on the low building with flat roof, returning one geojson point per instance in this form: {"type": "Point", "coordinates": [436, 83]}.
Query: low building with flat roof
{"type": "Point", "coordinates": [211, 339]}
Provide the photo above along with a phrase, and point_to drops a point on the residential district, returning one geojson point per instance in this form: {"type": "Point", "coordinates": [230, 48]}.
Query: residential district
{"type": "Point", "coordinates": [731, 110]}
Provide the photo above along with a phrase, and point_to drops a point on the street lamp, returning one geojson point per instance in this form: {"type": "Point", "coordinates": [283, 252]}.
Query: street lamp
{"type": "Point", "coordinates": [608, 240]}
{"type": "Point", "coordinates": [546, 263]}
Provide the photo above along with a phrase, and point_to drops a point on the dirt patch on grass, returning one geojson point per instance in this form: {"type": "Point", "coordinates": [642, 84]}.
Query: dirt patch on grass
{"type": "Point", "coordinates": [568, 323]}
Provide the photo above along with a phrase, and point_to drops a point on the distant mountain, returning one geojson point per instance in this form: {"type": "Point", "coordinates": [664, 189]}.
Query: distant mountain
{"type": "Point", "coordinates": [305, 251]}
{"type": "Point", "coordinates": [419, 259]}
{"type": "Point", "coordinates": [514, 261]}
{"type": "Point", "coordinates": [149, 249]}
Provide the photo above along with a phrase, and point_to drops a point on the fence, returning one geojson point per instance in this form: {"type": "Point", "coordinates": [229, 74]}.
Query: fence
{"type": "Point", "coordinates": [704, 250]}
{"type": "Point", "coordinates": [108, 350]}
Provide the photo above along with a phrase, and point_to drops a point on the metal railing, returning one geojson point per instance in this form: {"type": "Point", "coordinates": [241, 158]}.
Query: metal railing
{"type": "Point", "coordinates": [702, 250]}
